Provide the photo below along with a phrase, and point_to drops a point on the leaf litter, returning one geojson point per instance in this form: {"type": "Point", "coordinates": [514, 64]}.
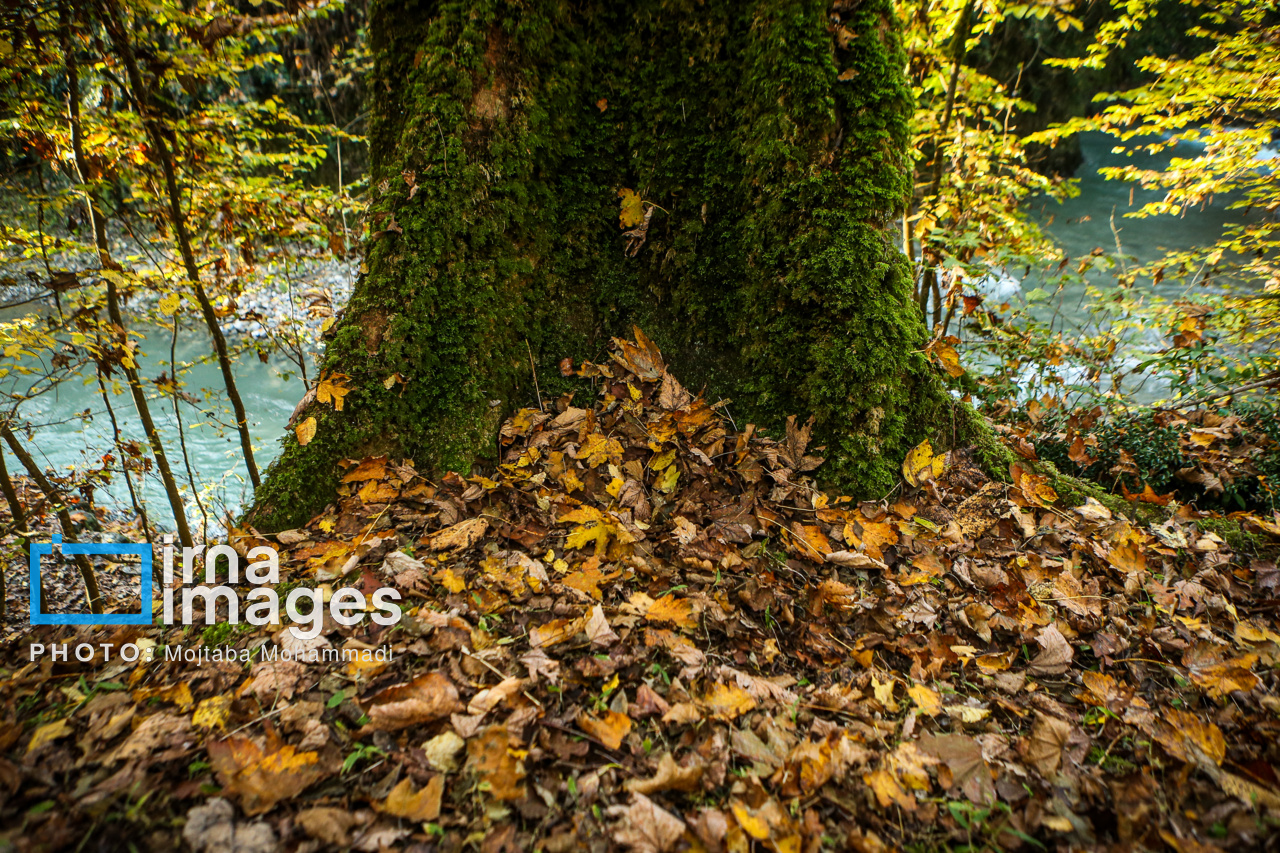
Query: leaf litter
{"type": "Point", "coordinates": [647, 630]}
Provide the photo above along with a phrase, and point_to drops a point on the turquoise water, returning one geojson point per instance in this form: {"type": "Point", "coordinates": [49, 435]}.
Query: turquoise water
{"type": "Point", "coordinates": [1084, 224]}
{"type": "Point", "coordinates": [66, 441]}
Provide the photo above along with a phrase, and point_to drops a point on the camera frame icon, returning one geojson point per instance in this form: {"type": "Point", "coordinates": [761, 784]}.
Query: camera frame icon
{"type": "Point", "coordinates": [40, 549]}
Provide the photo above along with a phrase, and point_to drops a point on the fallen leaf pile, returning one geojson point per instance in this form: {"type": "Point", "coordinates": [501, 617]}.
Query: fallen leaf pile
{"type": "Point", "coordinates": [645, 629]}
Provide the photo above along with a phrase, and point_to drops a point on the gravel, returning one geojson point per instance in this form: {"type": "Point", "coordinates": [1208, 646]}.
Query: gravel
{"type": "Point", "coordinates": [262, 305]}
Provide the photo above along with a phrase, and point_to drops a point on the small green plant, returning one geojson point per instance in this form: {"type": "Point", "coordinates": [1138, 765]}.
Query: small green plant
{"type": "Point", "coordinates": [984, 825]}
{"type": "Point", "coordinates": [360, 752]}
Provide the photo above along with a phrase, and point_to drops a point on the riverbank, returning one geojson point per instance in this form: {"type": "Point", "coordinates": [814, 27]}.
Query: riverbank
{"type": "Point", "coordinates": [288, 286]}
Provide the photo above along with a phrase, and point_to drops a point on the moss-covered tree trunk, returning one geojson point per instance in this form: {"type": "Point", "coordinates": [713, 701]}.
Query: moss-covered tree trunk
{"type": "Point", "coordinates": [770, 137]}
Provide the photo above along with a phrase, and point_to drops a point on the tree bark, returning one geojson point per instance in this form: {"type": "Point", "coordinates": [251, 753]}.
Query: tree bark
{"type": "Point", "coordinates": [769, 136]}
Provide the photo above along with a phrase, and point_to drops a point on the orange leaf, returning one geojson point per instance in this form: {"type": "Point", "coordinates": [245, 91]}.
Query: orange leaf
{"type": "Point", "coordinates": [609, 729]}
{"type": "Point", "coordinates": [419, 806]}
{"type": "Point", "coordinates": [262, 776]}
{"type": "Point", "coordinates": [677, 611]}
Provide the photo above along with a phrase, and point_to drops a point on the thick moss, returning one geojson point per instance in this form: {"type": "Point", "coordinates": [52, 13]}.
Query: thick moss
{"type": "Point", "coordinates": [771, 137]}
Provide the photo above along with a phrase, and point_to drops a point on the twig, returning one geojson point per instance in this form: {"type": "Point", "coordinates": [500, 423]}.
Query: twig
{"type": "Point", "coordinates": [534, 368]}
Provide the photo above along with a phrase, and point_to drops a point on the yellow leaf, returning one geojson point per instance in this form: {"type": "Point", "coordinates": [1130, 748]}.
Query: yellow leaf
{"type": "Point", "coordinates": [305, 431]}
{"type": "Point", "coordinates": [609, 729]}
{"type": "Point", "coordinates": [450, 581]}
{"type": "Point", "coordinates": [662, 460]}
{"type": "Point", "coordinates": [1182, 729]}
{"type": "Point", "coordinates": [500, 767]}
{"type": "Point", "coordinates": [212, 712]}
{"type": "Point", "coordinates": [677, 611]}
{"type": "Point", "coordinates": [47, 733]}
{"type": "Point", "coordinates": [950, 360]}
{"type": "Point", "coordinates": [921, 465]}
{"type": "Point", "coordinates": [584, 534]}
{"type": "Point", "coordinates": [887, 790]}
{"type": "Point", "coordinates": [178, 694]}
{"type": "Point", "coordinates": [728, 701]}
{"type": "Point", "coordinates": [332, 389]}
{"type": "Point", "coordinates": [926, 699]}
{"type": "Point", "coordinates": [632, 208]}
{"type": "Point", "coordinates": [555, 631]}
{"type": "Point", "coordinates": [260, 775]}
{"type": "Point", "coordinates": [169, 305]}
{"type": "Point", "coordinates": [667, 481]}
{"type": "Point", "coordinates": [884, 693]}
{"type": "Point", "coordinates": [968, 713]}
{"type": "Point", "coordinates": [752, 825]}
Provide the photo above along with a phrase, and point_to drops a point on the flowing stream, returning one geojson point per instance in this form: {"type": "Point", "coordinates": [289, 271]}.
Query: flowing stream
{"type": "Point", "coordinates": [1096, 219]}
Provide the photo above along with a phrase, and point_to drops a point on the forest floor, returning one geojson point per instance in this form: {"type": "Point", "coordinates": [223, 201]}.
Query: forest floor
{"type": "Point", "coordinates": [647, 630]}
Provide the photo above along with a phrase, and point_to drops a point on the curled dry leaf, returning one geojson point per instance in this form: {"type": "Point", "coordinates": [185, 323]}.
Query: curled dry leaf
{"type": "Point", "coordinates": [854, 560]}
{"type": "Point", "coordinates": [462, 535]}
{"type": "Point", "coordinates": [1057, 653]}
{"type": "Point", "coordinates": [428, 697]}
{"type": "Point", "coordinates": [419, 806]}
{"type": "Point", "coordinates": [669, 776]}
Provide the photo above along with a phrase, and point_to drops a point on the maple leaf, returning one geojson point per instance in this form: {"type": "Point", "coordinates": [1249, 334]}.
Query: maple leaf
{"type": "Point", "coordinates": [260, 775]}
{"type": "Point", "coordinates": [332, 389]}
{"type": "Point", "coordinates": [728, 701]}
{"type": "Point", "coordinates": [926, 699]}
{"type": "Point", "coordinates": [963, 755]}
{"type": "Point", "coordinates": [632, 210]}
{"type": "Point", "coordinates": [676, 611]}
{"type": "Point", "coordinates": [1044, 747]}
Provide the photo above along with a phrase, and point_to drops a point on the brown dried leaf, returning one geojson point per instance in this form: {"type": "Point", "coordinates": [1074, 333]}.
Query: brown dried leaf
{"type": "Point", "coordinates": [669, 776]}
{"type": "Point", "coordinates": [428, 697]}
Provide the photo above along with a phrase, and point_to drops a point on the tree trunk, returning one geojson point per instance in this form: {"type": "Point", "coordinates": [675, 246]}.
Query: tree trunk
{"type": "Point", "coordinates": [767, 138]}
